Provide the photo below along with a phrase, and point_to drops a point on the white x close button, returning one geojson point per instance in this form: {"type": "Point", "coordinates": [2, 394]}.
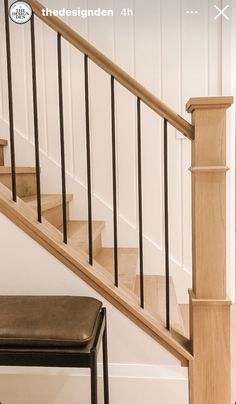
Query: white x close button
{"type": "Point", "coordinates": [221, 12]}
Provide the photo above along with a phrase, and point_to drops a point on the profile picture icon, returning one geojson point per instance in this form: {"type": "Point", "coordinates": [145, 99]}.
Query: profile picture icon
{"type": "Point", "coordinates": [20, 12]}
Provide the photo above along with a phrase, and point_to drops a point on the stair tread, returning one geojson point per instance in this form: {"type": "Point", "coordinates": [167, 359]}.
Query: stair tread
{"type": "Point", "coordinates": [127, 263]}
{"type": "Point", "coordinates": [3, 142]}
{"type": "Point", "coordinates": [48, 200]}
{"type": "Point", "coordinates": [155, 298]}
{"type": "Point", "coordinates": [19, 170]}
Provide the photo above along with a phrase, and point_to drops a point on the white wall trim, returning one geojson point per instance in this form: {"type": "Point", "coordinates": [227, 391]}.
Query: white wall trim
{"type": "Point", "coordinates": [121, 370]}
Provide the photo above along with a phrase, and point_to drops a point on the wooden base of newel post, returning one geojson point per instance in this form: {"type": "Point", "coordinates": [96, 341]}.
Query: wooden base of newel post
{"type": "Point", "coordinates": [209, 372]}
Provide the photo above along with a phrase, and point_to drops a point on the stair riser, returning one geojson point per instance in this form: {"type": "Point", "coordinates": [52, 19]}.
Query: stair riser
{"type": "Point", "coordinates": [127, 264]}
{"type": "Point", "coordinates": [54, 215]}
{"type": "Point", "coordinates": [1, 156]}
{"type": "Point", "coordinates": [25, 183]}
{"type": "Point", "coordinates": [97, 244]}
{"type": "Point", "coordinates": [83, 245]}
{"type": "Point", "coordinates": [155, 293]}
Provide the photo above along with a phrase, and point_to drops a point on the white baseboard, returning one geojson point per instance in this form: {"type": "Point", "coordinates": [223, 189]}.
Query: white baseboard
{"type": "Point", "coordinates": [120, 370]}
{"type": "Point", "coordinates": [139, 384]}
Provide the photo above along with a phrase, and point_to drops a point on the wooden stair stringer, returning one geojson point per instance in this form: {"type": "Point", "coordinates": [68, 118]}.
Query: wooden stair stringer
{"type": "Point", "coordinates": [97, 277]}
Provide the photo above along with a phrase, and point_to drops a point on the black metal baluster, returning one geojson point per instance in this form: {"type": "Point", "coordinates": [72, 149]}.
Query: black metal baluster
{"type": "Point", "coordinates": [89, 185]}
{"type": "Point", "coordinates": [113, 128]}
{"type": "Point", "coordinates": [62, 143]}
{"type": "Point", "coordinates": [36, 131]}
{"type": "Point", "coordinates": [167, 271]}
{"type": "Point", "coordinates": [140, 204]}
{"type": "Point", "coordinates": [10, 101]}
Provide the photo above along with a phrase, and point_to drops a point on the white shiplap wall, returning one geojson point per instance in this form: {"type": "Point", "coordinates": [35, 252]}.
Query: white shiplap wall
{"type": "Point", "coordinates": [176, 56]}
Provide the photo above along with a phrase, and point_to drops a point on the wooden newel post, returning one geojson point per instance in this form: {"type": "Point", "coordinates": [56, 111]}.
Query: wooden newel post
{"type": "Point", "coordinates": [209, 372]}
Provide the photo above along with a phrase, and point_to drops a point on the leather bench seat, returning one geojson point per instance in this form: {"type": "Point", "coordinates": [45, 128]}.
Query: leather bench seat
{"type": "Point", "coordinates": [48, 321]}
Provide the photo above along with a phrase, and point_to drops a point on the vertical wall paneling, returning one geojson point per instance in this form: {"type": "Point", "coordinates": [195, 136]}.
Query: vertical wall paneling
{"type": "Point", "coordinates": [194, 50]}
{"type": "Point", "coordinates": [29, 94]}
{"type": "Point", "coordinates": [148, 70]}
{"type": "Point", "coordinates": [77, 98]}
{"type": "Point", "coordinates": [194, 83]}
{"type": "Point", "coordinates": [126, 138]}
{"type": "Point", "coordinates": [67, 85]}
{"type": "Point", "coordinates": [101, 34]}
{"type": "Point", "coordinates": [19, 77]}
{"type": "Point", "coordinates": [2, 62]}
{"type": "Point", "coordinates": [67, 107]}
{"type": "Point", "coordinates": [51, 86]}
{"type": "Point", "coordinates": [228, 49]}
{"type": "Point", "coordinates": [171, 85]}
{"type": "Point", "coordinates": [228, 55]}
{"type": "Point", "coordinates": [41, 85]}
{"type": "Point", "coordinates": [214, 49]}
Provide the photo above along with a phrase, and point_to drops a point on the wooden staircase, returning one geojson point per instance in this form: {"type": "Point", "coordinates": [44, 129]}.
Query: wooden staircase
{"type": "Point", "coordinates": [207, 351]}
{"type": "Point", "coordinates": [75, 256]}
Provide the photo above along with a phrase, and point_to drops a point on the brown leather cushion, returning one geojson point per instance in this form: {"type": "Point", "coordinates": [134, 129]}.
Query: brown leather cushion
{"type": "Point", "coordinates": [47, 320]}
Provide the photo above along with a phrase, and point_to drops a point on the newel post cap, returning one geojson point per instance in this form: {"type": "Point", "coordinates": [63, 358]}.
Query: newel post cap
{"type": "Point", "coordinates": [209, 103]}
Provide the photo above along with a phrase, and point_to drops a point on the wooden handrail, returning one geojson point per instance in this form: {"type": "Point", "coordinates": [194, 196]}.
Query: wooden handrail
{"type": "Point", "coordinates": [114, 70]}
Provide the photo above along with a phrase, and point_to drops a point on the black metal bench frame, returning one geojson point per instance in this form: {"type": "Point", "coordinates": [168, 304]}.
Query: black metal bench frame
{"type": "Point", "coordinates": [64, 357]}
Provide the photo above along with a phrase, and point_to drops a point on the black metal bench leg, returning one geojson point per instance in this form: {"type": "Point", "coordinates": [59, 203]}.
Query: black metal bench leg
{"type": "Point", "coordinates": [94, 389]}
{"type": "Point", "coordinates": [105, 362]}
